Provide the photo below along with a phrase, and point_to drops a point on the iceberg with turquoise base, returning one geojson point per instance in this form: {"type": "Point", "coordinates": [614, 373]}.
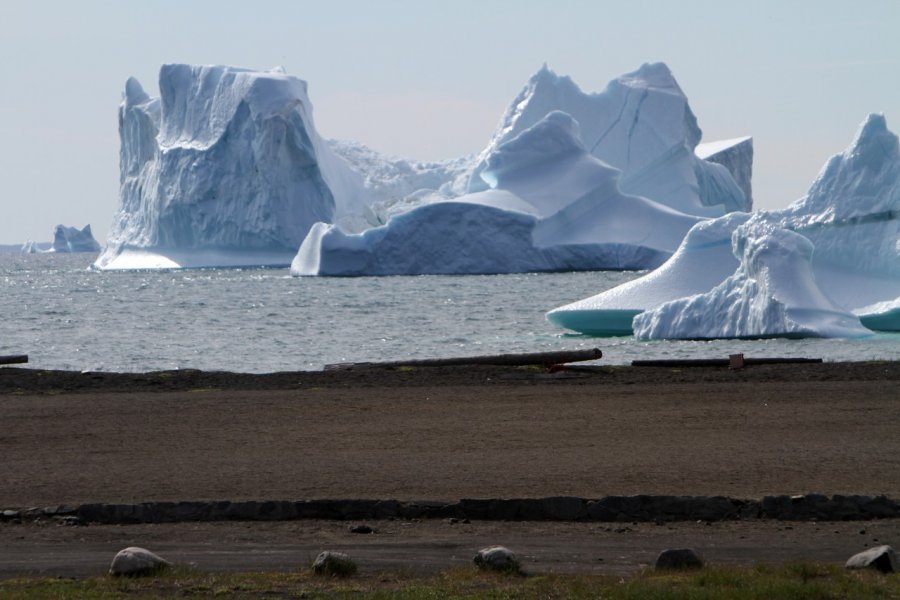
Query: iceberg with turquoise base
{"type": "Point", "coordinates": [773, 293]}
{"type": "Point", "coordinates": [851, 220]}
{"type": "Point", "coordinates": [702, 260]}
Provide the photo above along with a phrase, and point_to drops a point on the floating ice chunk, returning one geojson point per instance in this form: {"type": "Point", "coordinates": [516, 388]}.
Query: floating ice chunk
{"type": "Point", "coordinates": [881, 316]}
{"type": "Point", "coordinates": [773, 293]}
{"type": "Point", "coordinates": [553, 207]}
{"type": "Point", "coordinates": [851, 215]}
{"type": "Point", "coordinates": [701, 262]}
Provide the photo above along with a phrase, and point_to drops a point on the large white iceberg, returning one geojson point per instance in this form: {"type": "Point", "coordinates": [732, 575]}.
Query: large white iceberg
{"type": "Point", "coordinates": [551, 206]}
{"type": "Point", "coordinates": [850, 219]}
{"type": "Point", "coordinates": [224, 168]}
{"type": "Point", "coordinates": [556, 203]}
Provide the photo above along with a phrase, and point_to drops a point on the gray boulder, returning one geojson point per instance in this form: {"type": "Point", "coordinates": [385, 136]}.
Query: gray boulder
{"type": "Point", "coordinates": [334, 564]}
{"type": "Point", "coordinates": [135, 562]}
{"type": "Point", "coordinates": [679, 558]}
{"type": "Point", "coordinates": [497, 558]}
{"type": "Point", "coordinates": [882, 558]}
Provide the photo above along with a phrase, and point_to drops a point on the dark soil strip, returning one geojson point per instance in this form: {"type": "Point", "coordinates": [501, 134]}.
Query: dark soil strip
{"type": "Point", "coordinates": [810, 507]}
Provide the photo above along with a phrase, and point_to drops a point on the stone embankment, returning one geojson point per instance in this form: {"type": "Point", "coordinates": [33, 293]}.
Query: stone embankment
{"type": "Point", "coordinates": [642, 508]}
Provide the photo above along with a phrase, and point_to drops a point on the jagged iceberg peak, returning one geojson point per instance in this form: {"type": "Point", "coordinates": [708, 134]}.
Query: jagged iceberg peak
{"type": "Point", "coordinates": [640, 124]}
{"type": "Point", "coordinates": [547, 91]}
{"type": "Point", "coordinates": [134, 93]}
{"type": "Point", "coordinates": [873, 144]}
{"type": "Point", "coordinates": [863, 179]}
{"type": "Point", "coordinates": [224, 168]}
{"type": "Point", "coordinates": [852, 210]}
{"type": "Point", "coordinates": [656, 77]}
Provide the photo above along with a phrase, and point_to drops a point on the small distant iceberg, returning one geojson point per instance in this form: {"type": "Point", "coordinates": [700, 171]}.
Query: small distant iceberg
{"type": "Point", "coordinates": [823, 267]}
{"type": "Point", "coordinates": [65, 240]}
{"type": "Point", "coordinates": [31, 247]}
{"type": "Point", "coordinates": [71, 239]}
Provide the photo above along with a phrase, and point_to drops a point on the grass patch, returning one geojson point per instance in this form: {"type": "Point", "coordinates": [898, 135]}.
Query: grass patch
{"type": "Point", "coordinates": [802, 581]}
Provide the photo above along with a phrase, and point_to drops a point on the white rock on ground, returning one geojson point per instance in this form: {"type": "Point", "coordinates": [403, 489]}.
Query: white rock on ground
{"type": "Point", "coordinates": [882, 558]}
{"type": "Point", "coordinates": [137, 561]}
{"type": "Point", "coordinates": [496, 558]}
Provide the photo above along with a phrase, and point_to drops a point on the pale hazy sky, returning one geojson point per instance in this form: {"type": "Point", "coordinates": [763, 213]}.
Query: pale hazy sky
{"type": "Point", "coordinates": [430, 79]}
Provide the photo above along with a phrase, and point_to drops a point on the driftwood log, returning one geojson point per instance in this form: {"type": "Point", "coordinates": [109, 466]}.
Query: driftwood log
{"type": "Point", "coordinates": [13, 359]}
{"type": "Point", "coordinates": [512, 360]}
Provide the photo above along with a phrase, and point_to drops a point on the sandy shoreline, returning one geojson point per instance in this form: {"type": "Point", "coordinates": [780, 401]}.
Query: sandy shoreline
{"type": "Point", "coordinates": [71, 438]}
{"type": "Point", "coordinates": [449, 433]}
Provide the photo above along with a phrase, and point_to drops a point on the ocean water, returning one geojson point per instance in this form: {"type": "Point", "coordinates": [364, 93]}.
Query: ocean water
{"type": "Point", "coordinates": [65, 316]}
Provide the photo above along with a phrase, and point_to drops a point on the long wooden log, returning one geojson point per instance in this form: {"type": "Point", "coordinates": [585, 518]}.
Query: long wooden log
{"type": "Point", "coordinates": [718, 362]}
{"type": "Point", "coordinates": [13, 359]}
{"type": "Point", "coordinates": [511, 360]}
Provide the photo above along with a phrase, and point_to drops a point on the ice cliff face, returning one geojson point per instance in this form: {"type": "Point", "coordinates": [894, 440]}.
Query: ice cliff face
{"type": "Point", "coordinates": [640, 124]}
{"type": "Point", "coordinates": [736, 155]}
{"type": "Point", "coordinates": [71, 239]}
{"type": "Point", "coordinates": [552, 206]}
{"type": "Point", "coordinates": [848, 261]}
{"type": "Point", "coordinates": [226, 163]}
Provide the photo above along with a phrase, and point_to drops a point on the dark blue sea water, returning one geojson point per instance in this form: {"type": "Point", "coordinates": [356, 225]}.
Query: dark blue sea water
{"type": "Point", "coordinates": [65, 316]}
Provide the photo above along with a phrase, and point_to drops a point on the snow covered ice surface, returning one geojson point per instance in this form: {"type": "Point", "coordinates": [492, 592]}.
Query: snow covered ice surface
{"type": "Point", "coordinates": [552, 206]}
{"type": "Point", "coordinates": [703, 260]}
{"type": "Point", "coordinates": [569, 181]}
{"type": "Point", "coordinates": [850, 219]}
{"type": "Point", "coordinates": [224, 168]}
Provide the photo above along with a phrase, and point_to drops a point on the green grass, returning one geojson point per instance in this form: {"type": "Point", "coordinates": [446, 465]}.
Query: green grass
{"type": "Point", "coordinates": [800, 581]}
